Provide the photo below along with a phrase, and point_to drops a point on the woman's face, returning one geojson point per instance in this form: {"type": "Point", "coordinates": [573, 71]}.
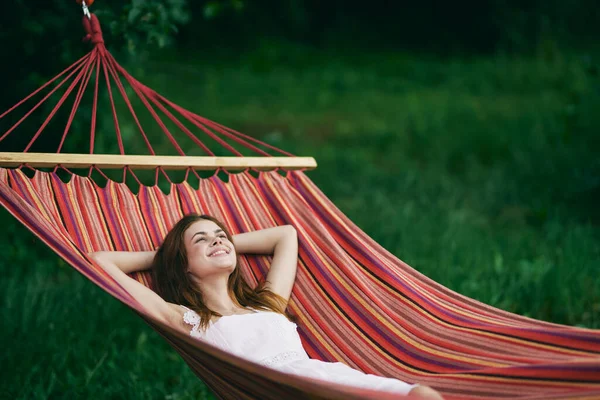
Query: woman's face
{"type": "Point", "coordinates": [208, 249]}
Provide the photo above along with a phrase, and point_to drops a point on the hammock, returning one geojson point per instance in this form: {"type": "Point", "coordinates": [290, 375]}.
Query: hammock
{"type": "Point", "coordinates": [354, 301]}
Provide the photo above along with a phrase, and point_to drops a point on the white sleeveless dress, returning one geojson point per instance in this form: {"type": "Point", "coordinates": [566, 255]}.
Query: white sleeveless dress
{"type": "Point", "coordinates": [272, 340]}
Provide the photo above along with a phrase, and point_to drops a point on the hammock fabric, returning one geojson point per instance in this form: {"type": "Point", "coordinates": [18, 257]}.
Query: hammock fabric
{"type": "Point", "coordinates": [354, 301]}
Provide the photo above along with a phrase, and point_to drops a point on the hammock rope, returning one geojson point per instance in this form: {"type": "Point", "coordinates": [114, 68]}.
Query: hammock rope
{"type": "Point", "coordinates": [355, 302]}
{"type": "Point", "coordinates": [101, 63]}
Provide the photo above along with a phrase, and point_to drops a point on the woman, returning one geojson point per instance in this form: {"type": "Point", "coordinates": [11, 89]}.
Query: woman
{"type": "Point", "coordinates": [200, 290]}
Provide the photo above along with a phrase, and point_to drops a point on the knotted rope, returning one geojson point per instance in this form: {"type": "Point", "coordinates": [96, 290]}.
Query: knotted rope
{"type": "Point", "coordinates": [93, 30]}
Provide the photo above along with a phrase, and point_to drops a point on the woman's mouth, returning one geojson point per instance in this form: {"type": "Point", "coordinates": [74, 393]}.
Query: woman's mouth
{"type": "Point", "coordinates": [219, 253]}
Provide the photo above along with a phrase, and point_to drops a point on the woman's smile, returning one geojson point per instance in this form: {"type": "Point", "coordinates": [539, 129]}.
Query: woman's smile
{"type": "Point", "coordinates": [222, 251]}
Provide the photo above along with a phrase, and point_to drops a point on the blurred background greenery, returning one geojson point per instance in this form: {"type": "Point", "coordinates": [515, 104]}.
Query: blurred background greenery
{"type": "Point", "coordinates": [468, 130]}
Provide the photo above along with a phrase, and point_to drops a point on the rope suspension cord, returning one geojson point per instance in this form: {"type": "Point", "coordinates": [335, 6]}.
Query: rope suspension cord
{"type": "Point", "coordinates": [99, 65]}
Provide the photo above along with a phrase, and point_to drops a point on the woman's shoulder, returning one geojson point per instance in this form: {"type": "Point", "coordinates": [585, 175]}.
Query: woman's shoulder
{"type": "Point", "coordinates": [192, 321]}
{"type": "Point", "coordinates": [185, 318]}
{"type": "Point", "coordinates": [188, 315]}
{"type": "Point", "coordinates": [178, 311]}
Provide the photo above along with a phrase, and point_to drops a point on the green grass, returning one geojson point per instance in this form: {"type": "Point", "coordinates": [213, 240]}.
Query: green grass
{"type": "Point", "coordinates": [481, 173]}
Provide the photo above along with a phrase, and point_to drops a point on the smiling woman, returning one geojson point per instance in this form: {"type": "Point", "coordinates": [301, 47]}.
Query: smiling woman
{"type": "Point", "coordinates": [199, 289]}
{"type": "Point", "coordinates": [197, 266]}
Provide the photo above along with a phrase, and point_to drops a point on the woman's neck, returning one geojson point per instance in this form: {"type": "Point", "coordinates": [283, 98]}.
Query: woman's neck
{"type": "Point", "coordinates": [216, 295]}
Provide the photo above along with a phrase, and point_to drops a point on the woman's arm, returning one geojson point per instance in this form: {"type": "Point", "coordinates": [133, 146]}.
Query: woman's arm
{"type": "Point", "coordinates": [119, 263]}
{"type": "Point", "coordinates": [127, 261]}
{"type": "Point", "coordinates": [282, 242]}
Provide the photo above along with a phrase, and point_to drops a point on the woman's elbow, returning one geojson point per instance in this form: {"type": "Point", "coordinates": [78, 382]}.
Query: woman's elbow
{"type": "Point", "coordinates": [100, 257]}
{"type": "Point", "coordinates": [290, 230]}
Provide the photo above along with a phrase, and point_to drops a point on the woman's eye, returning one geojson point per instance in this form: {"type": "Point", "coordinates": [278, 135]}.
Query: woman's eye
{"type": "Point", "coordinates": [199, 240]}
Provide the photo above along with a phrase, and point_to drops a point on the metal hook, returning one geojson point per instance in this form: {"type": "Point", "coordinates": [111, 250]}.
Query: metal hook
{"type": "Point", "coordinates": [86, 11]}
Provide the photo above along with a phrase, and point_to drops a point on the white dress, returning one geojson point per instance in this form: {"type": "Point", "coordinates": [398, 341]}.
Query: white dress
{"type": "Point", "coordinates": [272, 340]}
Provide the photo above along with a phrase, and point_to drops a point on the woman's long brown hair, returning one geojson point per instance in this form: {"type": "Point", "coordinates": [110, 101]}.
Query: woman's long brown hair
{"type": "Point", "coordinates": [173, 284]}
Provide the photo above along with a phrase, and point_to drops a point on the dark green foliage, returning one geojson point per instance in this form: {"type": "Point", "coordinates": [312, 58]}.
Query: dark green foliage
{"type": "Point", "coordinates": [40, 40]}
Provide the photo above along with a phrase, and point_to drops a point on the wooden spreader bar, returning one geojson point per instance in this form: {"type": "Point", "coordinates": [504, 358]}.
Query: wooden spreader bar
{"type": "Point", "coordinates": [113, 161]}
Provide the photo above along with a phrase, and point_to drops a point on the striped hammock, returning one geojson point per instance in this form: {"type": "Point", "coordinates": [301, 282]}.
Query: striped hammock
{"type": "Point", "coordinates": [355, 302]}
